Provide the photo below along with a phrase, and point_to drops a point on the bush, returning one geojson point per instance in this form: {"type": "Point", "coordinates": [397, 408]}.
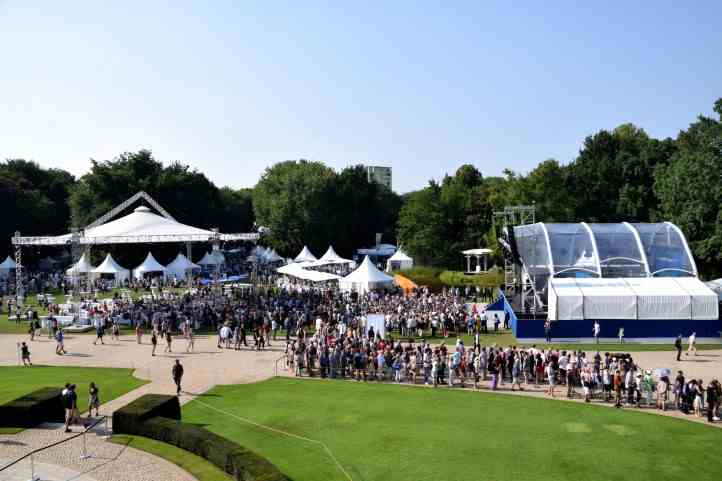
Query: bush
{"type": "Point", "coordinates": [424, 276]}
{"type": "Point", "coordinates": [147, 417]}
{"type": "Point", "coordinates": [493, 278]}
{"type": "Point", "coordinates": [143, 408]}
{"type": "Point", "coordinates": [43, 405]}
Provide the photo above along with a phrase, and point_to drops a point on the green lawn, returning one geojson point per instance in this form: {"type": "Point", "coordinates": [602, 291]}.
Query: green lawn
{"type": "Point", "coordinates": [16, 381]}
{"type": "Point", "coordinates": [400, 433]}
{"type": "Point", "coordinates": [201, 469]}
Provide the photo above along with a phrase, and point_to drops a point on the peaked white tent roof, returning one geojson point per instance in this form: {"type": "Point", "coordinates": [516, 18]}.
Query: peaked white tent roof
{"type": "Point", "coordinates": [83, 266]}
{"type": "Point", "coordinates": [305, 256]}
{"type": "Point", "coordinates": [272, 256]}
{"type": "Point", "coordinates": [180, 266]}
{"type": "Point", "coordinates": [212, 259]}
{"type": "Point", "coordinates": [109, 266]}
{"type": "Point", "coordinates": [148, 265]}
{"type": "Point", "coordinates": [330, 257]}
{"type": "Point", "coordinates": [400, 256]}
{"type": "Point", "coordinates": [8, 264]}
{"type": "Point", "coordinates": [365, 278]}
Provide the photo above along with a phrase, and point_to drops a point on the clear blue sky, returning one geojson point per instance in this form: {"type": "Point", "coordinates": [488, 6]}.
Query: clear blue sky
{"type": "Point", "coordinates": [231, 87]}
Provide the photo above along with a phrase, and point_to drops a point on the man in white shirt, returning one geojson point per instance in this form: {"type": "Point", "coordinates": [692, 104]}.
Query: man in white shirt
{"type": "Point", "coordinates": [596, 330]}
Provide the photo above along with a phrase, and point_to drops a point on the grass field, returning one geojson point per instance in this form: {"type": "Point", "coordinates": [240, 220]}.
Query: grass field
{"type": "Point", "coordinates": [201, 469]}
{"type": "Point", "coordinates": [112, 382]}
{"type": "Point", "coordinates": [397, 433]}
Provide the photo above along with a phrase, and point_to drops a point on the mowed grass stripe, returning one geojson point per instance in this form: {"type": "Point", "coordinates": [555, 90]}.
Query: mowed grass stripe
{"type": "Point", "coordinates": [397, 433]}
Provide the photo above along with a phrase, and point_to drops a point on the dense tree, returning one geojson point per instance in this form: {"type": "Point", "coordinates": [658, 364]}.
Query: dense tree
{"type": "Point", "coordinates": [421, 225]}
{"type": "Point", "coordinates": [690, 189]}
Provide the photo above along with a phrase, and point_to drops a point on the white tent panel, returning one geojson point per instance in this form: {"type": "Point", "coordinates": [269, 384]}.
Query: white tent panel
{"type": "Point", "coordinates": [179, 267]}
{"type": "Point", "coordinates": [705, 304]}
{"type": "Point", "coordinates": [148, 265]}
{"type": "Point", "coordinates": [7, 264]}
{"type": "Point", "coordinates": [365, 278]}
{"type": "Point", "coordinates": [110, 266]}
{"type": "Point", "coordinates": [305, 256]}
{"type": "Point", "coordinates": [83, 266]}
{"type": "Point", "coordinates": [566, 300]}
{"type": "Point", "coordinates": [608, 299]}
{"type": "Point", "coordinates": [660, 298]}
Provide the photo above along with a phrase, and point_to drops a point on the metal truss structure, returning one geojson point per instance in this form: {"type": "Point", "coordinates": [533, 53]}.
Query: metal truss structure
{"type": "Point", "coordinates": [514, 275]}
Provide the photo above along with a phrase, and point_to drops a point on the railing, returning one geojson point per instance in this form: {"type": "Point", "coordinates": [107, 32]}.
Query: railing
{"type": "Point", "coordinates": [275, 369]}
{"type": "Point", "coordinates": [30, 455]}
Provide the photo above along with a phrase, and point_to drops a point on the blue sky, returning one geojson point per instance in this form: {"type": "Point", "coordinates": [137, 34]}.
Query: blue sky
{"type": "Point", "coordinates": [231, 87]}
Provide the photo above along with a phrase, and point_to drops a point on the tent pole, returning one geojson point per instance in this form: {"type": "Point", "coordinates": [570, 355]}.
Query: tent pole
{"type": "Point", "coordinates": [19, 290]}
{"type": "Point", "coordinates": [189, 279]}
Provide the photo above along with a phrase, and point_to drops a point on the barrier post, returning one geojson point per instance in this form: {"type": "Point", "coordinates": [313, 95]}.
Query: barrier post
{"type": "Point", "coordinates": [33, 477]}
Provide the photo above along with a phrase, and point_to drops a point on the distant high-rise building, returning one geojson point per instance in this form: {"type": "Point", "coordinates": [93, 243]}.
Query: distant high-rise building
{"type": "Point", "coordinates": [380, 175]}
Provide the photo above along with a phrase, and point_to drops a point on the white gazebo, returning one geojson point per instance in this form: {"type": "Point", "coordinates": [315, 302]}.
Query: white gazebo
{"type": "Point", "coordinates": [110, 267]}
{"type": "Point", "coordinates": [399, 261]}
{"type": "Point", "coordinates": [180, 267]}
{"type": "Point", "coordinates": [365, 278]}
{"type": "Point", "coordinates": [478, 254]}
{"type": "Point", "coordinates": [7, 265]}
{"type": "Point", "coordinates": [305, 256]}
{"type": "Point", "coordinates": [148, 265]}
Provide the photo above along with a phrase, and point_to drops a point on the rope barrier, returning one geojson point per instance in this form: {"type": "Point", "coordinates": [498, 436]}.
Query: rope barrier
{"type": "Point", "coordinates": [269, 428]}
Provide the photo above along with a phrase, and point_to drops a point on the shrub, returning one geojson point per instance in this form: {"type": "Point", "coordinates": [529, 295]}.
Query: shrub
{"type": "Point", "coordinates": [143, 408]}
{"type": "Point", "coordinates": [424, 276]}
{"type": "Point", "coordinates": [157, 417]}
{"type": "Point", "coordinates": [43, 405]}
{"type": "Point", "coordinates": [492, 278]}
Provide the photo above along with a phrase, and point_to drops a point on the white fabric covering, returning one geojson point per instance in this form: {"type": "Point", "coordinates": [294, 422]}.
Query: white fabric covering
{"type": "Point", "coordinates": [83, 266]}
{"type": "Point", "coordinates": [365, 278]}
{"type": "Point", "coordinates": [179, 267]}
{"type": "Point", "coordinates": [148, 265]}
{"type": "Point", "coordinates": [142, 222]}
{"type": "Point", "coordinates": [705, 303]}
{"type": "Point", "coordinates": [7, 264]}
{"type": "Point", "coordinates": [646, 298]}
{"type": "Point", "coordinates": [399, 261]}
{"type": "Point", "coordinates": [330, 257]}
{"type": "Point", "coordinates": [305, 256]}
{"type": "Point", "coordinates": [298, 270]}
{"type": "Point", "coordinates": [110, 266]}
{"type": "Point", "coordinates": [212, 259]}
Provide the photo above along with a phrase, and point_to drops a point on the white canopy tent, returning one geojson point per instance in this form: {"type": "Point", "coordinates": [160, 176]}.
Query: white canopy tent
{"type": "Point", "coordinates": [179, 268]}
{"type": "Point", "coordinates": [111, 267]}
{"type": "Point", "coordinates": [272, 256]}
{"type": "Point", "coordinates": [365, 278]}
{"type": "Point", "coordinates": [382, 250]}
{"type": "Point", "coordinates": [399, 261]}
{"type": "Point", "coordinates": [298, 270]}
{"type": "Point", "coordinates": [83, 266]}
{"type": "Point", "coordinates": [305, 256]}
{"type": "Point", "coordinates": [6, 266]}
{"type": "Point", "coordinates": [148, 265]}
{"type": "Point", "coordinates": [649, 298]}
{"type": "Point", "coordinates": [212, 259]}
{"type": "Point", "coordinates": [330, 258]}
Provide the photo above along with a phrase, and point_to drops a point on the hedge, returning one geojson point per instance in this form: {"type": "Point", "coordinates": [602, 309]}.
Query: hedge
{"type": "Point", "coordinates": [43, 405]}
{"type": "Point", "coordinates": [157, 417]}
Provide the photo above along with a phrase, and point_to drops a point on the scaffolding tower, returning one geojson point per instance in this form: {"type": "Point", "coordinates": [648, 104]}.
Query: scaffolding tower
{"type": "Point", "coordinates": [514, 275]}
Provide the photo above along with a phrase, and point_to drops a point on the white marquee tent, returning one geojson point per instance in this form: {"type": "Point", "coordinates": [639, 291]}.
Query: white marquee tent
{"type": "Point", "coordinates": [399, 261]}
{"type": "Point", "coordinates": [305, 256]}
{"type": "Point", "coordinates": [7, 265]}
{"type": "Point", "coordinates": [365, 278]}
{"type": "Point", "coordinates": [148, 265]}
{"type": "Point", "coordinates": [652, 298]}
{"type": "Point", "coordinates": [271, 256]}
{"type": "Point", "coordinates": [179, 267]}
{"type": "Point", "coordinates": [212, 259]}
{"type": "Point", "coordinates": [330, 257]}
{"type": "Point", "coordinates": [83, 266]}
{"type": "Point", "coordinates": [111, 267]}
{"type": "Point", "coordinates": [298, 270]}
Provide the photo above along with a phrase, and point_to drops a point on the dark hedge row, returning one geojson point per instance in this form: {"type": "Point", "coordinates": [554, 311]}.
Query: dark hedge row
{"type": "Point", "coordinates": [43, 405]}
{"type": "Point", "coordinates": [158, 417]}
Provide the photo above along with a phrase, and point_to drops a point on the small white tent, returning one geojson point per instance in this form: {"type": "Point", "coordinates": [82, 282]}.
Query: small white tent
{"type": "Point", "coordinates": [148, 265]}
{"type": "Point", "coordinates": [305, 256]}
{"type": "Point", "coordinates": [109, 266]}
{"type": "Point", "coordinates": [211, 259]}
{"type": "Point", "coordinates": [179, 267]}
{"type": "Point", "coordinates": [272, 257]}
{"type": "Point", "coordinates": [7, 265]}
{"type": "Point", "coordinates": [83, 266]}
{"type": "Point", "coordinates": [365, 278]}
{"type": "Point", "coordinates": [399, 261]}
{"type": "Point", "coordinates": [330, 257]}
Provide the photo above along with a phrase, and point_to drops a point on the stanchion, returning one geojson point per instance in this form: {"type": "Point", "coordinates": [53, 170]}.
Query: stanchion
{"type": "Point", "coordinates": [85, 454]}
{"type": "Point", "coordinates": [33, 476]}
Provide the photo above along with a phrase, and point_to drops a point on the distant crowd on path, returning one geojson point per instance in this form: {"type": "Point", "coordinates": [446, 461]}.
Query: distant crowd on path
{"type": "Point", "coordinates": [606, 378]}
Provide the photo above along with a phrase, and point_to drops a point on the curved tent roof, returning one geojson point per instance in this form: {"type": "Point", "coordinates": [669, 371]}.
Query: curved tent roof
{"type": "Point", "coordinates": [83, 266]}
{"type": "Point", "coordinates": [365, 278]}
{"type": "Point", "coordinates": [143, 222]}
{"type": "Point", "coordinates": [180, 266]}
{"type": "Point", "coordinates": [305, 256]}
{"type": "Point", "coordinates": [8, 264]}
{"type": "Point", "coordinates": [109, 266]}
{"type": "Point", "coordinates": [297, 269]}
{"type": "Point", "coordinates": [148, 265]}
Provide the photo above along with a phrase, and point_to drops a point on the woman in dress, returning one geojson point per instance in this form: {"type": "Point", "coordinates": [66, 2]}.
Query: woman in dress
{"type": "Point", "coordinates": [93, 399]}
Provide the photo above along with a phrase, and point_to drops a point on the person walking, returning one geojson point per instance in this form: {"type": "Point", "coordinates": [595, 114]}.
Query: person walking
{"type": "Point", "coordinates": [93, 399]}
{"type": "Point", "coordinates": [189, 336]}
{"type": "Point", "coordinates": [177, 374]}
{"type": "Point", "coordinates": [139, 333]}
{"type": "Point", "coordinates": [154, 341]}
{"type": "Point", "coordinates": [678, 346]}
{"type": "Point", "coordinates": [692, 347]}
{"type": "Point", "coordinates": [548, 330]}
{"type": "Point", "coordinates": [25, 354]}
{"type": "Point", "coordinates": [99, 331]}
{"type": "Point", "coordinates": [596, 330]}
{"type": "Point", "coordinates": [168, 341]}
{"type": "Point", "coordinates": [71, 406]}
{"type": "Point", "coordinates": [59, 342]}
